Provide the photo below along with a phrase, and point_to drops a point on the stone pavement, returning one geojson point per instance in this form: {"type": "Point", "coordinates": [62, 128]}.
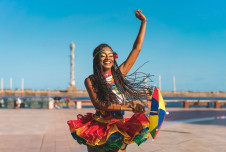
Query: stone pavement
{"type": "Point", "coordinates": [185, 130]}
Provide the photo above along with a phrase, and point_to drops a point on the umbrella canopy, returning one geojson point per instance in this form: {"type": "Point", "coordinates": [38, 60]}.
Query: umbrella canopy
{"type": "Point", "coordinates": [157, 113]}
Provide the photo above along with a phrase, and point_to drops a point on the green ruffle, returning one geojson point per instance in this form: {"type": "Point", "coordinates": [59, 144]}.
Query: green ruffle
{"type": "Point", "coordinates": [115, 141]}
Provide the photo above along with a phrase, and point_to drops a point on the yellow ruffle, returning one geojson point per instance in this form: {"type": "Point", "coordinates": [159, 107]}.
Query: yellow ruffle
{"type": "Point", "coordinates": [112, 130]}
{"type": "Point", "coordinates": [102, 120]}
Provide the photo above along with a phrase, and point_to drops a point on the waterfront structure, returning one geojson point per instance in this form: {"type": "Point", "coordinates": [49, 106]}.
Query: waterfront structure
{"type": "Point", "coordinates": [72, 86]}
{"type": "Point", "coordinates": [174, 84]}
{"type": "Point", "coordinates": [22, 84]}
{"type": "Point", "coordinates": [72, 81]}
{"type": "Point", "coordinates": [2, 84]}
{"type": "Point", "coordinates": [160, 83]}
{"type": "Point", "coordinates": [11, 83]}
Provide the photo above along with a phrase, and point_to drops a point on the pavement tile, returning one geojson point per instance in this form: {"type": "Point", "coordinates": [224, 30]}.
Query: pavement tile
{"type": "Point", "coordinates": [42, 130]}
{"type": "Point", "coordinates": [7, 150]}
{"type": "Point", "coordinates": [81, 148]}
{"type": "Point", "coordinates": [32, 150]}
{"type": "Point", "coordinates": [66, 149]}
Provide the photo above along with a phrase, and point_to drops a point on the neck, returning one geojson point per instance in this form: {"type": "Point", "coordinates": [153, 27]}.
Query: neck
{"type": "Point", "coordinates": [107, 70]}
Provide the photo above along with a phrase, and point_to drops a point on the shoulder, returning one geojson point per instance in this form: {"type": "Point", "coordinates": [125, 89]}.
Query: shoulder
{"type": "Point", "coordinates": [87, 81]}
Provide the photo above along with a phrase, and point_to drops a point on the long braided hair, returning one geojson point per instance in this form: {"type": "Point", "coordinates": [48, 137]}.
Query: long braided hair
{"type": "Point", "coordinates": [132, 86]}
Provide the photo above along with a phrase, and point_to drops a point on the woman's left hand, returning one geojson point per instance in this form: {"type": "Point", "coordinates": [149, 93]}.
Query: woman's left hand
{"type": "Point", "coordinates": [140, 16]}
{"type": "Point", "coordinates": [138, 108]}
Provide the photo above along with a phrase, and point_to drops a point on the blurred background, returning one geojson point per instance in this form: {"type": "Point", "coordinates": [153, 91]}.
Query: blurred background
{"type": "Point", "coordinates": [185, 39]}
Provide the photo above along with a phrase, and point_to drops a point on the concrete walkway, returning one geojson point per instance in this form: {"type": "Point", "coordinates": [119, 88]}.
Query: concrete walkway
{"type": "Point", "coordinates": [35, 130]}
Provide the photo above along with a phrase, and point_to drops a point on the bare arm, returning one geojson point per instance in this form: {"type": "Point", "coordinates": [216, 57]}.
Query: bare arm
{"type": "Point", "coordinates": [127, 65]}
{"type": "Point", "coordinates": [98, 105]}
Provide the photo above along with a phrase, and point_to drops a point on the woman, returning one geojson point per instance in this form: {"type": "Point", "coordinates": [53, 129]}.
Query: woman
{"type": "Point", "coordinates": [108, 88]}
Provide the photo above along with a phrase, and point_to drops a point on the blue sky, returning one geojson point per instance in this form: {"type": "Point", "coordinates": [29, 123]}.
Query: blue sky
{"type": "Point", "coordinates": [183, 38]}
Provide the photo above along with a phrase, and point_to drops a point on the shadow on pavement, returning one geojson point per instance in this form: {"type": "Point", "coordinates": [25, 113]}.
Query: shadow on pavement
{"type": "Point", "coordinates": [214, 117]}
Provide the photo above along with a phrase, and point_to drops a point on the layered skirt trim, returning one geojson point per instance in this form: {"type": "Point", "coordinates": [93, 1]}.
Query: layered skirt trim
{"type": "Point", "coordinates": [103, 133]}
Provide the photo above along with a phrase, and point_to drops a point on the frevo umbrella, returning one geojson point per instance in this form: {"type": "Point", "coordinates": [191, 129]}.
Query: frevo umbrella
{"type": "Point", "coordinates": [157, 113]}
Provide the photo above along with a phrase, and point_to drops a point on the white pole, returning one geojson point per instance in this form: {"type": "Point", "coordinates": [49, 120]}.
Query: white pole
{"type": "Point", "coordinates": [160, 83]}
{"type": "Point", "coordinates": [2, 84]}
{"type": "Point", "coordinates": [174, 84]}
{"type": "Point", "coordinates": [22, 84]}
{"type": "Point", "coordinates": [11, 83]}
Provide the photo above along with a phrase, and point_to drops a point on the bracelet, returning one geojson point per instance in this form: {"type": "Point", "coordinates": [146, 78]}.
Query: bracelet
{"type": "Point", "coordinates": [133, 109]}
{"type": "Point", "coordinates": [146, 20]}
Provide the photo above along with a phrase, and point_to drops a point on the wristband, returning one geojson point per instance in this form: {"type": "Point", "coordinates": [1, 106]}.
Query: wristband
{"type": "Point", "coordinates": [146, 20]}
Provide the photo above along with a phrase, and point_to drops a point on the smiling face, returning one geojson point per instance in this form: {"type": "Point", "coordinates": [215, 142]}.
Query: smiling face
{"type": "Point", "coordinates": [106, 59]}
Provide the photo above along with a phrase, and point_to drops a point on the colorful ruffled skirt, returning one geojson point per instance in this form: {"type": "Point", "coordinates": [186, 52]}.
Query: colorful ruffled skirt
{"type": "Point", "coordinates": [109, 131]}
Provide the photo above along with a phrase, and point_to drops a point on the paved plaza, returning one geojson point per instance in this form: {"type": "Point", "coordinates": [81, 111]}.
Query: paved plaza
{"type": "Point", "coordinates": [185, 130]}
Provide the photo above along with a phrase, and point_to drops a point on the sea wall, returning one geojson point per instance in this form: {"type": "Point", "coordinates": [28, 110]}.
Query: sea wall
{"type": "Point", "coordinates": [43, 93]}
{"type": "Point", "coordinates": [193, 94]}
{"type": "Point", "coordinates": [83, 93]}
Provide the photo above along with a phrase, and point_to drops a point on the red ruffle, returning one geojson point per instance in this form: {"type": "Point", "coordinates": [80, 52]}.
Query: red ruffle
{"type": "Point", "coordinates": [91, 129]}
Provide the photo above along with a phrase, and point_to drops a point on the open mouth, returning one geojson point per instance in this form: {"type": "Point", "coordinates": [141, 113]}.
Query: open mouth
{"type": "Point", "coordinates": [107, 62]}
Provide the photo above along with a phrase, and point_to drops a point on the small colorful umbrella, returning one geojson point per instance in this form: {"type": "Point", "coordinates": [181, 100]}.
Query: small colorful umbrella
{"type": "Point", "coordinates": [157, 113]}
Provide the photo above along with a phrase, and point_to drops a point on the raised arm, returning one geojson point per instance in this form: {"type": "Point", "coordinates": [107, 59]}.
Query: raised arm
{"type": "Point", "coordinates": [127, 65]}
{"type": "Point", "coordinates": [98, 105]}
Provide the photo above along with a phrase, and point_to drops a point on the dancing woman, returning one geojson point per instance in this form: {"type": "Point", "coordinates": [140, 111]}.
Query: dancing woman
{"type": "Point", "coordinates": [110, 92]}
